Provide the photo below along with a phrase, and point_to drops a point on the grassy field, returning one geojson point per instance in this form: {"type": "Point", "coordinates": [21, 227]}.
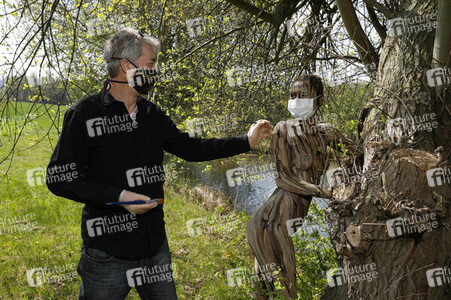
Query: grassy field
{"type": "Point", "coordinates": [41, 230]}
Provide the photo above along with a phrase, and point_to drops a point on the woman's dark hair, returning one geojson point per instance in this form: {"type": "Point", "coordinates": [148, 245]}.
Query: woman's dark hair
{"type": "Point", "coordinates": [315, 83]}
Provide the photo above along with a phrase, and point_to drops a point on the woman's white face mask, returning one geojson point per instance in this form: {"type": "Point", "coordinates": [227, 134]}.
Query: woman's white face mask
{"type": "Point", "coordinates": [301, 107]}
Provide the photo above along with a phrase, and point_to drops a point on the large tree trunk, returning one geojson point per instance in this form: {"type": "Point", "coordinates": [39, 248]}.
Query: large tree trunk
{"type": "Point", "coordinates": [362, 237]}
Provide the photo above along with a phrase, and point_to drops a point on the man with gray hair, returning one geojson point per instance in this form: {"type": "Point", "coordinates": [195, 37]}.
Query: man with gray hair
{"type": "Point", "coordinates": [114, 143]}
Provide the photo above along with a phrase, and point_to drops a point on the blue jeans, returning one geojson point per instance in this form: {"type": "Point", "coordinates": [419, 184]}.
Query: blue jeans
{"type": "Point", "coordinates": [107, 277]}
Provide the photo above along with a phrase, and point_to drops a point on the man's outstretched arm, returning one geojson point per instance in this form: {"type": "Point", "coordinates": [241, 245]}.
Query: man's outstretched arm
{"type": "Point", "coordinates": [197, 149]}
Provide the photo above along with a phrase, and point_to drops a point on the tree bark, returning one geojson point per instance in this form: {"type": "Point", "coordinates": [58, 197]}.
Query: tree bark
{"type": "Point", "coordinates": [399, 188]}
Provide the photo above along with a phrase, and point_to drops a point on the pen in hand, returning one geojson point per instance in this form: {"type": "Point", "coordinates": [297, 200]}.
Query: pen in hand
{"type": "Point", "coordinates": [250, 122]}
{"type": "Point", "coordinates": [158, 200]}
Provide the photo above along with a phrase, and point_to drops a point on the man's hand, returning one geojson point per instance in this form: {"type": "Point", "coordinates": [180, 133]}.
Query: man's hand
{"type": "Point", "coordinates": [258, 131]}
{"type": "Point", "coordinates": [136, 208]}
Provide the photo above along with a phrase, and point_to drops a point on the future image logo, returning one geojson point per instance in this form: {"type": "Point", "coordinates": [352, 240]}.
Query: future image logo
{"type": "Point", "coordinates": [135, 177]}
{"type": "Point", "coordinates": [135, 277]}
{"type": "Point", "coordinates": [198, 126]}
{"type": "Point", "coordinates": [335, 177]}
{"type": "Point", "coordinates": [18, 223]}
{"type": "Point", "coordinates": [336, 277]}
{"type": "Point", "coordinates": [140, 77]}
{"type": "Point", "coordinates": [56, 173]}
{"type": "Point", "coordinates": [18, 123]}
{"type": "Point", "coordinates": [35, 277]}
{"type": "Point", "coordinates": [438, 276]}
{"type": "Point", "coordinates": [351, 74]}
{"type": "Point", "coordinates": [95, 227]}
{"type": "Point", "coordinates": [438, 176]}
{"type": "Point", "coordinates": [147, 175]}
{"type": "Point", "coordinates": [99, 27]}
{"type": "Point", "coordinates": [236, 76]}
{"type": "Point", "coordinates": [36, 177]}
{"type": "Point", "coordinates": [95, 127]}
{"type": "Point", "coordinates": [396, 26]}
{"type": "Point", "coordinates": [235, 176]}
{"type": "Point", "coordinates": [438, 76]}
{"type": "Point", "coordinates": [293, 225]}
{"type": "Point", "coordinates": [195, 26]}
{"type": "Point", "coordinates": [110, 225]}
{"type": "Point", "coordinates": [236, 277]}
{"type": "Point", "coordinates": [415, 224]}
{"type": "Point", "coordinates": [239, 276]}
{"type": "Point", "coordinates": [343, 175]}
{"type": "Point", "coordinates": [247, 175]}
{"type": "Point", "coordinates": [195, 226]}
{"type": "Point", "coordinates": [357, 273]}
{"type": "Point", "coordinates": [199, 226]}
{"type": "Point", "coordinates": [301, 225]}
{"type": "Point", "coordinates": [149, 275]}
{"type": "Point", "coordinates": [194, 126]}
{"type": "Point", "coordinates": [413, 24]}
{"type": "Point", "coordinates": [312, 25]}
{"type": "Point", "coordinates": [316, 124]}
{"type": "Point", "coordinates": [405, 127]}
{"type": "Point", "coordinates": [397, 128]}
{"type": "Point", "coordinates": [198, 26]}
{"type": "Point", "coordinates": [109, 125]}
{"type": "Point", "coordinates": [59, 173]}
{"type": "Point", "coordinates": [168, 73]}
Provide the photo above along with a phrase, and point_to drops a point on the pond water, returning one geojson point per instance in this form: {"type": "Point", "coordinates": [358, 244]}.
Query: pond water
{"type": "Point", "coordinates": [247, 195]}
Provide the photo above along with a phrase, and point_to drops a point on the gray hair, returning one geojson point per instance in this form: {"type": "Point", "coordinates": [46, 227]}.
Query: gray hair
{"type": "Point", "coordinates": [126, 43]}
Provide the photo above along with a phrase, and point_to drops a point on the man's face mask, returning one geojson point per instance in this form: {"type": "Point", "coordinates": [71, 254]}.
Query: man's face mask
{"type": "Point", "coordinates": [142, 79]}
{"type": "Point", "coordinates": [301, 108]}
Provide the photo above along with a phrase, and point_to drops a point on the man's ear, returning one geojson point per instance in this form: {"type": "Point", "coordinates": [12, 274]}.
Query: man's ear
{"type": "Point", "coordinates": [126, 65]}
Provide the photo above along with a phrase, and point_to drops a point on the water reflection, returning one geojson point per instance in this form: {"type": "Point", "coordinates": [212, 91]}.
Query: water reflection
{"type": "Point", "coordinates": [245, 197]}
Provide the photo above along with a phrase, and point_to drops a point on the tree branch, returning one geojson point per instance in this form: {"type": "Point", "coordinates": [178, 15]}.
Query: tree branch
{"type": "Point", "coordinates": [254, 10]}
{"type": "Point", "coordinates": [281, 44]}
{"type": "Point", "coordinates": [385, 11]}
{"type": "Point", "coordinates": [366, 50]}
{"type": "Point", "coordinates": [375, 21]}
{"type": "Point", "coordinates": [442, 42]}
{"type": "Point", "coordinates": [285, 9]}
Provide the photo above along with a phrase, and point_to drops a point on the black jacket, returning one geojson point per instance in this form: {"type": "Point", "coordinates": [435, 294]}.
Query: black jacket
{"type": "Point", "coordinates": [101, 151]}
